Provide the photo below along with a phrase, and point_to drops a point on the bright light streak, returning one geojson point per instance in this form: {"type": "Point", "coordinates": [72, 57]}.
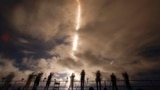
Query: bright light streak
{"type": "Point", "coordinates": [75, 42]}
{"type": "Point", "coordinates": [112, 62]}
{"type": "Point", "coordinates": [78, 21]}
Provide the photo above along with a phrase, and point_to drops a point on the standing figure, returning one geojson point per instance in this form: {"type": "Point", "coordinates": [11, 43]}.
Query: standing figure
{"type": "Point", "coordinates": [28, 82]}
{"type": "Point", "coordinates": [37, 80]}
{"type": "Point", "coordinates": [113, 81]}
{"type": "Point", "coordinates": [98, 80]}
{"type": "Point", "coordinates": [48, 81]}
{"type": "Point", "coordinates": [126, 80]}
{"type": "Point", "coordinates": [82, 79]}
{"type": "Point", "coordinates": [71, 81]}
{"type": "Point", "coordinates": [8, 80]}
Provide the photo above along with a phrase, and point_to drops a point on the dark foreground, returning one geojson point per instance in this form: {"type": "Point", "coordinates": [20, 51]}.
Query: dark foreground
{"type": "Point", "coordinates": [135, 84]}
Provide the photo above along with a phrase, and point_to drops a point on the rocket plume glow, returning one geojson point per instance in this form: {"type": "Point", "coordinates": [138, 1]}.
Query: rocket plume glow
{"type": "Point", "coordinates": [78, 22]}
{"type": "Point", "coordinates": [75, 42]}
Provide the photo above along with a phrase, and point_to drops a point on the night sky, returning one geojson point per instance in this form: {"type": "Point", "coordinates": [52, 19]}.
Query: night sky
{"type": "Point", "coordinates": [114, 36]}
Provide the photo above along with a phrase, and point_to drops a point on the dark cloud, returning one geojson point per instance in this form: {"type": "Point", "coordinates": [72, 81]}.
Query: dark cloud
{"type": "Point", "coordinates": [151, 52]}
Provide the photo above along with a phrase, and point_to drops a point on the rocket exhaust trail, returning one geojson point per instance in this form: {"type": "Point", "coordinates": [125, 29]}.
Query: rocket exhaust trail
{"type": "Point", "coordinates": [75, 42]}
{"type": "Point", "coordinates": [78, 22]}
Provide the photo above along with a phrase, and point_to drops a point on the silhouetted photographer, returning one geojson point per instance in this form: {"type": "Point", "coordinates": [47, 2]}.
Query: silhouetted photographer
{"type": "Point", "coordinates": [28, 82]}
{"type": "Point", "coordinates": [48, 81]}
{"type": "Point", "coordinates": [82, 79]}
{"type": "Point", "coordinates": [71, 81]}
{"type": "Point", "coordinates": [98, 80]}
{"type": "Point", "coordinates": [126, 80]}
{"type": "Point", "coordinates": [37, 81]}
{"type": "Point", "coordinates": [113, 81]}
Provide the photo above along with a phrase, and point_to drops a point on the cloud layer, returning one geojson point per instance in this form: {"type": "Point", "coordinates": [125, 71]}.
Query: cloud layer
{"type": "Point", "coordinates": [115, 36]}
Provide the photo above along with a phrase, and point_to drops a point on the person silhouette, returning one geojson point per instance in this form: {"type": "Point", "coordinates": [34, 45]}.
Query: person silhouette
{"type": "Point", "coordinates": [48, 81]}
{"type": "Point", "coordinates": [37, 80]}
{"type": "Point", "coordinates": [29, 80]}
{"type": "Point", "coordinates": [98, 80]}
{"type": "Point", "coordinates": [8, 80]}
{"type": "Point", "coordinates": [113, 81]}
{"type": "Point", "coordinates": [82, 79]}
{"type": "Point", "coordinates": [126, 80]}
{"type": "Point", "coordinates": [71, 81]}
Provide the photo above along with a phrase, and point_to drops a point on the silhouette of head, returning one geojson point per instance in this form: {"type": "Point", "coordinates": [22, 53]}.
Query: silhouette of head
{"type": "Point", "coordinates": [73, 74]}
{"type": "Point", "coordinates": [98, 71]}
{"type": "Point", "coordinates": [51, 73]}
{"type": "Point", "coordinates": [40, 74]}
{"type": "Point", "coordinates": [123, 74]}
